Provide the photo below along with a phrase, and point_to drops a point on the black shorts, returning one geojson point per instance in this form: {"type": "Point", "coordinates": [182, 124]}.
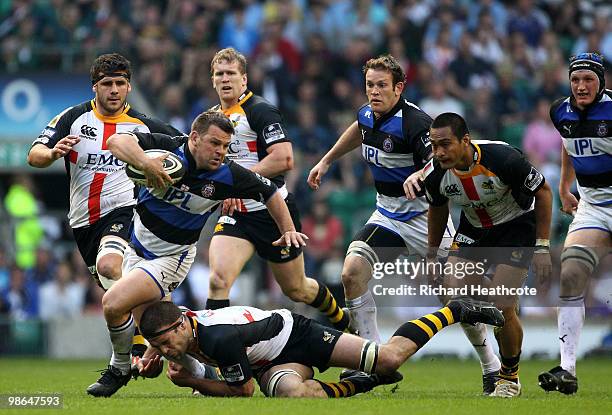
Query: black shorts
{"type": "Point", "coordinates": [260, 229]}
{"type": "Point", "coordinates": [511, 243]}
{"type": "Point", "coordinates": [388, 245]}
{"type": "Point", "coordinates": [117, 223]}
{"type": "Point", "coordinates": [310, 344]}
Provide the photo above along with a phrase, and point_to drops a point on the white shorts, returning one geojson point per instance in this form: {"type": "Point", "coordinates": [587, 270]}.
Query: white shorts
{"type": "Point", "coordinates": [168, 272]}
{"type": "Point", "coordinates": [414, 232]}
{"type": "Point", "coordinates": [589, 216]}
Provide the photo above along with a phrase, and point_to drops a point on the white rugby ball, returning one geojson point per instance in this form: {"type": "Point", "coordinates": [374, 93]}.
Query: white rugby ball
{"type": "Point", "coordinates": [173, 165]}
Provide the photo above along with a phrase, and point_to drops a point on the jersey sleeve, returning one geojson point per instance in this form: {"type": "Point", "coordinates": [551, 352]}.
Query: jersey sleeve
{"type": "Point", "coordinates": [433, 177]}
{"type": "Point", "coordinates": [56, 129]}
{"type": "Point", "coordinates": [223, 343]}
{"type": "Point", "coordinates": [148, 141]}
{"type": "Point", "coordinates": [157, 126]}
{"type": "Point", "coordinates": [250, 185]}
{"type": "Point", "coordinates": [522, 177]}
{"type": "Point", "coordinates": [267, 121]}
{"type": "Point", "coordinates": [417, 125]}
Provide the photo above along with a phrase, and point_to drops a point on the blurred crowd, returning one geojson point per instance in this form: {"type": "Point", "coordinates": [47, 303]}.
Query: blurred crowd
{"type": "Point", "coordinates": [498, 63]}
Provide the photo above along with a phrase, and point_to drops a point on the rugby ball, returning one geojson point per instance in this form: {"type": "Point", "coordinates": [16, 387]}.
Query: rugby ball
{"type": "Point", "coordinates": [173, 165]}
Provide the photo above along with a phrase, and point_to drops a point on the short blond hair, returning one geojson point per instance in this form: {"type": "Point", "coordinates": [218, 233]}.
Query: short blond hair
{"type": "Point", "coordinates": [229, 55]}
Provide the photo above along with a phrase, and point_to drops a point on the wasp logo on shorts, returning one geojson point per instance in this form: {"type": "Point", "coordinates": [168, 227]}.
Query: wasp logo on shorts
{"type": "Point", "coordinates": [218, 228]}
{"type": "Point", "coordinates": [516, 256]}
{"type": "Point", "coordinates": [88, 132]}
{"type": "Point", "coordinates": [285, 251]}
{"type": "Point", "coordinates": [328, 337]}
{"type": "Point", "coordinates": [116, 227]}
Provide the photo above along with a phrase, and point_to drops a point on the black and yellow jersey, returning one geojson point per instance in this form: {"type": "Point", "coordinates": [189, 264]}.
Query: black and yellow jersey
{"type": "Point", "coordinates": [258, 125]}
{"type": "Point", "coordinates": [500, 185]}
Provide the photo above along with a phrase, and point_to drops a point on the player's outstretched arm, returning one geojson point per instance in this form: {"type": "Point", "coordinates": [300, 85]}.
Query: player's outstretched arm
{"type": "Point", "coordinates": [125, 147]}
{"type": "Point", "coordinates": [568, 175]}
{"type": "Point", "coordinates": [348, 141]}
{"type": "Point", "coordinates": [42, 156]}
{"type": "Point", "coordinates": [181, 377]}
{"type": "Point", "coordinates": [280, 213]}
{"type": "Point", "coordinates": [541, 258]}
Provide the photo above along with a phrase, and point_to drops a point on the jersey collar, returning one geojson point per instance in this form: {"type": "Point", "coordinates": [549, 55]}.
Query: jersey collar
{"type": "Point", "coordinates": [391, 112]}
{"type": "Point", "coordinates": [477, 157]}
{"type": "Point", "coordinates": [241, 100]}
{"type": "Point", "coordinates": [109, 118]}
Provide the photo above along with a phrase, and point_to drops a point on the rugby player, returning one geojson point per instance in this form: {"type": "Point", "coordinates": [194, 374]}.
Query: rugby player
{"type": "Point", "coordinates": [394, 137]}
{"type": "Point", "coordinates": [102, 198]}
{"type": "Point", "coordinates": [505, 203]}
{"type": "Point", "coordinates": [279, 348]}
{"type": "Point", "coordinates": [168, 223]}
{"type": "Point", "coordinates": [260, 143]}
{"type": "Point", "coordinates": [584, 121]}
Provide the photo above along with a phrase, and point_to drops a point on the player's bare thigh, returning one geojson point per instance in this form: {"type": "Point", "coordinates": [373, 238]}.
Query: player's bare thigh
{"type": "Point", "coordinates": [227, 256]}
{"type": "Point", "coordinates": [599, 240]}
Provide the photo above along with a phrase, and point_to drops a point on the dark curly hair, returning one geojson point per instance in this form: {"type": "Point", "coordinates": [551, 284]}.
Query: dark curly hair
{"type": "Point", "coordinates": [111, 63]}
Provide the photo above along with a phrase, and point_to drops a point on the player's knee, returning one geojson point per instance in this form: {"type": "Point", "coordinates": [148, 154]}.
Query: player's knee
{"type": "Point", "coordinates": [353, 274]}
{"type": "Point", "coordinates": [109, 268]}
{"type": "Point", "coordinates": [218, 283]}
{"type": "Point", "coordinates": [111, 305]}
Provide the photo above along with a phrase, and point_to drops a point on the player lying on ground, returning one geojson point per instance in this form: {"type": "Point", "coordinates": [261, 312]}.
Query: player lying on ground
{"type": "Point", "coordinates": [279, 348]}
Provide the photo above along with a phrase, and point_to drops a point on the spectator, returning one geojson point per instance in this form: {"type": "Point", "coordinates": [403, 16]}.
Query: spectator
{"type": "Point", "coordinates": [62, 297]}
{"type": "Point", "coordinates": [325, 232]}
{"type": "Point", "coordinates": [439, 101]}
{"type": "Point", "coordinates": [21, 296]}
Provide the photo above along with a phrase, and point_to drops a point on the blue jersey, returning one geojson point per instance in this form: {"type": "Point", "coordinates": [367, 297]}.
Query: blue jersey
{"type": "Point", "coordinates": [395, 146]}
{"type": "Point", "coordinates": [168, 221]}
{"type": "Point", "coordinates": [587, 138]}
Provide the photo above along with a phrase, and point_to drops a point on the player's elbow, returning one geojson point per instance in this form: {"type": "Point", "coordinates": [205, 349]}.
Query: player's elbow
{"type": "Point", "coordinates": [35, 159]}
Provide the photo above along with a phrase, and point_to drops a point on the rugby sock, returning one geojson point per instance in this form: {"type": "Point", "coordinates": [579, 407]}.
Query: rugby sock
{"type": "Point", "coordinates": [216, 304]}
{"type": "Point", "coordinates": [121, 338]}
{"type": "Point", "coordinates": [345, 388]}
{"type": "Point", "coordinates": [327, 304]}
{"type": "Point", "coordinates": [510, 368]}
{"type": "Point", "coordinates": [570, 319]}
{"type": "Point", "coordinates": [139, 345]}
{"type": "Point", "coordinates": [477, 335]}
{"type": "Point", "coordinates": [363, 316]}
{"type": "Point", "coordinates": [420, 331]}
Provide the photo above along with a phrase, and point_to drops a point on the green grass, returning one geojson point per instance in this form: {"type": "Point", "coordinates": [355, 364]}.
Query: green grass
{"type": "Point", "coordinates": [430, 386]}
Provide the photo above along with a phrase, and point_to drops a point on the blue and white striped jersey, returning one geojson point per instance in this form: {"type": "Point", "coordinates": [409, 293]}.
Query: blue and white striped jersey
{"type": "Point", "coordinates": [395, 146]}
{"type": "Point", "coordinates": [587, 138]}
{"type": "Point", "coordinates": [168, 221]}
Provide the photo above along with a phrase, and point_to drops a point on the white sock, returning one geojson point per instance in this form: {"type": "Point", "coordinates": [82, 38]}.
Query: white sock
{"type": "Point", "coordinates": [194, 366]}
{"type": "Point", "coordinates": [121, 338]}
{"type": "Point", "coordinates": [363, 316]}
{"type": "Point", "coordinates": [477, 335]}
{"type": "Point", "coordinates": [570, 318]}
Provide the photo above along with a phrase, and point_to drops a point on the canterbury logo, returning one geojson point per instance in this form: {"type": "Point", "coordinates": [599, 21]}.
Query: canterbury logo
{"type": "Point", "coordinates": [88, 131]}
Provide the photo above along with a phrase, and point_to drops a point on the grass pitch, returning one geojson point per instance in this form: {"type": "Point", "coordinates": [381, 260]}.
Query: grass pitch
{"type": "Point", "coordinates": [430, 386]}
